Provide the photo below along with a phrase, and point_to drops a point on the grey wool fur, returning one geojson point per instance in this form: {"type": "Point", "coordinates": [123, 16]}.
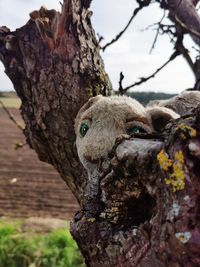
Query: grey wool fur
{"type": "Point", "coordinates": [102, 119]}
{"type": "Point", "coordinates": [181, 103]}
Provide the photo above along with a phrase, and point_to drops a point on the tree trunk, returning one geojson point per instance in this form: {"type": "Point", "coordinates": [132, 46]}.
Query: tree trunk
{"type": "Point", "coordinates": [148, 202]}
{"type": "Point", "coordinates": [55, 66]}
{"type": "Point", "coordinates": [185, 16]}
{"type": "Point", "coordinates": [144, 207]}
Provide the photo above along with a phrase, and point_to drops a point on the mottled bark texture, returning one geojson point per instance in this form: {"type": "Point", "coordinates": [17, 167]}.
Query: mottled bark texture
{"type": "Point", "coordinates": [146, 210]}
{"type": "Point", "coordinates": [186, 17]}
{"type": "Point", "coordinates": [55, 66]}
{"type": "Point", "coordinates": [141, 207]}
{"type": "Point", "coordinates": [185, 14]}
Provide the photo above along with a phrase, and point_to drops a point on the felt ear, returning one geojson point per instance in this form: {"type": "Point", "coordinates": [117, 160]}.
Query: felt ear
{"type": "Point", "coordinates": [160, 116]}
{"type": "Point", "coordinates": [86, 106]}
{"type": "Point", "coordinates": [89, 103]}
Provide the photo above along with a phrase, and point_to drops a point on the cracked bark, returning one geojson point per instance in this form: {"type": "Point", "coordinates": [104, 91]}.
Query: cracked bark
{"type": "Point", "coordinates": [148, 211]}
{"type": "Point", "coordinates": [132, 216]}
{"type": "Point", "coordinates": [55, 66]}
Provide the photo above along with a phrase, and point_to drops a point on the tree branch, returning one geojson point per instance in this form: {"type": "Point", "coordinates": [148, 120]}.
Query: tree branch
{"type": "Point", "coordinates": [144, 79]}
{"type": "Point", "coordinates": [55, 66]}
{"type": "Point", "coordinates": [11, 117]}
{"type": "Point", "coordinates": [185, 14]}
{"type": "Point", "coordinates": [157, 33]}
{"type": "Point", "coordinates": [181, 48]}
{"type": "Point", "coordinates": [142, 4]}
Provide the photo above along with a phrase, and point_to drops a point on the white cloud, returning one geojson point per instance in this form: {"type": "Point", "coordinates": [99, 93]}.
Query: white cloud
{"type": "Point", "coordinates": [130, 54]}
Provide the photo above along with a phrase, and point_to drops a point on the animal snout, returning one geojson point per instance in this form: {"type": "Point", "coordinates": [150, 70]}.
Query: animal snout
{"type": "Point", "coordinates": [90, 159]}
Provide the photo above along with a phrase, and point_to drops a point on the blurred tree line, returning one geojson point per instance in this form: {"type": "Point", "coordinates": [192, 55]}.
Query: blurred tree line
{"type": "Point", "coordinates": [142, 97]}
{"type": "Point", "coordinates": [145, 97]}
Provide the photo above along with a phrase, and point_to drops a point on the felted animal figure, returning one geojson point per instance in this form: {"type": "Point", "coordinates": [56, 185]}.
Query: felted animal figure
{"type": "Point", "coordinates": [181, 103]}
{"type": "Point", "coordinates": [102, 119]}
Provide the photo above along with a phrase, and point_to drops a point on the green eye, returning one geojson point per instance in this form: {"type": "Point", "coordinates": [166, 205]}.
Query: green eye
{"type": "Point", "coordinates": [136, 130]}
{"type": "Point", "coordinates": [83, 129]}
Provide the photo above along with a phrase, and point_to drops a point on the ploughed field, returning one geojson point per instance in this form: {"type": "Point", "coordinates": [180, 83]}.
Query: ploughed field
{"type": "Point", "coordinates": [29, 187]}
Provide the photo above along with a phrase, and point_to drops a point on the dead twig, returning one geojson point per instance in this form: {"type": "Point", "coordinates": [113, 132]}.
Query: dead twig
{"type": "Point", "coordinates": [120, 83]}
{"type": "Point", "coordinates": [11, 117]}
{"type": "Point", "coordinates": [144, 79]}
{"type": "Point", "coordinates": [19, 145]}
{"type": "Point", "coordinates": [179, 46]}
{"type": "Point", "coordinates": [157, 33]}
{"type": "Point", "coordinates": [142, 4]}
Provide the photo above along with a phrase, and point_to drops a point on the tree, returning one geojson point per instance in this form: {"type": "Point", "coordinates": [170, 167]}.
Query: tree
{"type": "Point", "coordinates": [180, 19]}
{"type": "Point", "coordinates": [143, 219]}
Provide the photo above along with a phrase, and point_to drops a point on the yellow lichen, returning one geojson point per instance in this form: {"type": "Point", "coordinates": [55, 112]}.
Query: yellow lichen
{"type": "Point", "coordinates": [179, 157]}
{"type": "Point", "coordinates": [91, 219]}
{"type": "Point", "coordinates": [176, 178]}
{"type": "Point", "coordinates": [85, 219]}
{"type": "Point", "coordinates": [89, 91]}
{"type": "Point", "coordinates": [102, 77]}
{"type": "Point", "coordinates": [164, 160]}
{"type": "Point", "coordinates": [186, 131]}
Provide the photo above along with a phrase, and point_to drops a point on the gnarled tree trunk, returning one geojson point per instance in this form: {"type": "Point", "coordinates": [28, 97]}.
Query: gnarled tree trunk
{"type": "Point", "coordinates": [148, 209]}
{"type": "Point", "coordinates": [144, 208]}
{"type": "Point", "coordinates": [55, 66]}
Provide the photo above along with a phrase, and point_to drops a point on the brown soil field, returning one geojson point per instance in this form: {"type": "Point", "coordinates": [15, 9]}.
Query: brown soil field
{"type": "Point", "coordinates": [29, 187]}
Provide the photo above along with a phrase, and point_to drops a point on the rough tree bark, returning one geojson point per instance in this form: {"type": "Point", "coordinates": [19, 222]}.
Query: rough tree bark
{"type": "Point", "coordinates": [144, 209]}
{"type": "Point", "coordinates": [187, 20]}
{"type": "Point", "coordinates": [55, 66]}
{"type": "Point", "coordinates": [148, 202]}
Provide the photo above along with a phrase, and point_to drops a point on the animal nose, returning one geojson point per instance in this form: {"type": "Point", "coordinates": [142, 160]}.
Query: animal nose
{"type": "Point", "coordinates": [91, 160]}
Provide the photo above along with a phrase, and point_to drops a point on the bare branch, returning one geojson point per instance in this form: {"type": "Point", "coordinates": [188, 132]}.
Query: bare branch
{"type": "Point", "coordinates": [157, 33]}
{"type": "Point", "coordinates": [144, 79]}
{"type": "Point", "coordinates": [11, 117]}
{"type": "Point", "coordinates": [195, 2]}
{"type": "Point", "coordinates": [121, 77]}
{"type": "Point", "coordinates": [99, 38]}
{"type": "Point", "coordinates": [162, 29]}
{"type": "Point", "coordinates": [185, 14]}
{"type": "Point", "coordinates": [142, 4]}
{"type": "Point", "coordinates": [20, 145]}
{"type": "Point", "coordinates": [179, 46]}
{"type": "Point", "coordinates": [86, 3]}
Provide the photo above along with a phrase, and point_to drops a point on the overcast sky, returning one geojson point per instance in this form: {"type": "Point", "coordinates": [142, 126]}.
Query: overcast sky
{"type": "Point", "coordinates": [130, 54]}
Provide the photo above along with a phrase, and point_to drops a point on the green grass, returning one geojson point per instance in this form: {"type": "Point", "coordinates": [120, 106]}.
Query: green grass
{"type": "Point", "coordinates": [10, 102]}
{"type": "Point", "coordinates": [55, 249]}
